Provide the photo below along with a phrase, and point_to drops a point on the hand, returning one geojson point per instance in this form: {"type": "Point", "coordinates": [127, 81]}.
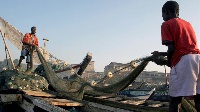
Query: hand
{"type": "Point", "coordinates": [160, 61]}
{"type": "Point", "coordinates": [158, 58]}
{"type": "Point", "coordinates": [155, 53]}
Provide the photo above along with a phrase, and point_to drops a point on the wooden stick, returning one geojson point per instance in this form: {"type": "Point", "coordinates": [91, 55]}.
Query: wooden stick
{"type": "Point", "coordinates": [11, 60]}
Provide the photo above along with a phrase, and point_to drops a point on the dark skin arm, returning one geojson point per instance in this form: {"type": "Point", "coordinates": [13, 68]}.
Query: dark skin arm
{"type": "Point", "coordinates": [170, 53]}
{"type": "Point", "coordinates": [31, 45]}
{"type": "Point", "coordinates": [25, 43]}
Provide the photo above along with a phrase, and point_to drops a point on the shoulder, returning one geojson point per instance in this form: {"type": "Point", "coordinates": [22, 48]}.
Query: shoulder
{"type": "Point", "coordinates": [174, 23]}
{"type": "Point", "coordinates": [184, 22]}
{"type": "Point", "coordinates": [36, 37]}
{"type": "Point", "coordinates": [180, 22]}
{"type": "Point", "coordinates": [170, 22]}
{"type": "Point", "coordinates": [27, 34]}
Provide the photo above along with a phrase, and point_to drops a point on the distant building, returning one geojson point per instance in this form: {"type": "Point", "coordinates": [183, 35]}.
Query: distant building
{"type": "Point", "coordinates": [145, 76]}
{"type": "Point", "coordinates": [152, 77]}
{"type": "Point", "coordinates": [90, 68]}
{"type": "Point", "coordinates": [88, 73]}
{"type": "Point", "coordinates": [113, 67]}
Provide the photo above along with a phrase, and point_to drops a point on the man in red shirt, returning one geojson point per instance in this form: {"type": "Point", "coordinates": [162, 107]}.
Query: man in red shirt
{"type": "Point", "coordinates": [29, 40]}
{"type": "Point", "coordinates": [183, 57]}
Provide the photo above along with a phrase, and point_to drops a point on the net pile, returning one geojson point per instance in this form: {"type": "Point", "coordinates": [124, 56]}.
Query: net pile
{"type": "Point", "coordinates": [11, 79]}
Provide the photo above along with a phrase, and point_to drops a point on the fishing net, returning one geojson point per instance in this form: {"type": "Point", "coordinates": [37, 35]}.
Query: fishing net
{"type": "Point", "coordinates": [119, 71]}
{"type": "Point", "coordinates": [11, 79]}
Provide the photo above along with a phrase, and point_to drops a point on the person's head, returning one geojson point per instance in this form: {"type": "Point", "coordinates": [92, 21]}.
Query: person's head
{"type": "Point", "coordinates": [33, 30]}
{"type": "Point", "coordinates": [170, 10]}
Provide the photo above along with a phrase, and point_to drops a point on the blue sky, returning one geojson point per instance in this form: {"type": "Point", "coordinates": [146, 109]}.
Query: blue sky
{"type": "Point", "coordinates": [112, 30]}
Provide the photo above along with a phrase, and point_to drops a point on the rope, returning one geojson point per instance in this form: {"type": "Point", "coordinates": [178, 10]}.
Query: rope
{"type": "Point", "coordinates": [121, 69]}
{"type": "Point", "coordinates": [138, 60]}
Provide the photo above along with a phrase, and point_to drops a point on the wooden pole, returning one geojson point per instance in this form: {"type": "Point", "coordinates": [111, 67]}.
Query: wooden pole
{"type": "Point", "coordinates": [45, 40]}
{"type": "Point", "coordinates": [44, 49]}
{"type": "Point", "coordinates": [11, 60]}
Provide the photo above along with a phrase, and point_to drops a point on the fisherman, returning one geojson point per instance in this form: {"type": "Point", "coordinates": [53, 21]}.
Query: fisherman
{"type": "Point", "coordinates": [183, 57]}
{"type": "Point", "coordinates": [29, 41]}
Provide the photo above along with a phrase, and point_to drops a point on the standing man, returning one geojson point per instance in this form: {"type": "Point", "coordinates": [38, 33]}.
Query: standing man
{"type": "Point", "coordinates": [30, 40]}
{"type": "Point", "coordinates": [183, 57]}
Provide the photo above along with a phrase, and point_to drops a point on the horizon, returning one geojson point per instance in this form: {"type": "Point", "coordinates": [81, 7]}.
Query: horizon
{"type": "Point", "coordinates": [113, 31]}
{"type": "Point", "coordinates": [24, 64]}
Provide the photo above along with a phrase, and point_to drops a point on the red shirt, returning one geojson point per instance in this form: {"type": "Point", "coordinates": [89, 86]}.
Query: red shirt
{"type": "Point", "coordinates": [181, 33]}
{"type": "Point", "coordinates": [31, 39]}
